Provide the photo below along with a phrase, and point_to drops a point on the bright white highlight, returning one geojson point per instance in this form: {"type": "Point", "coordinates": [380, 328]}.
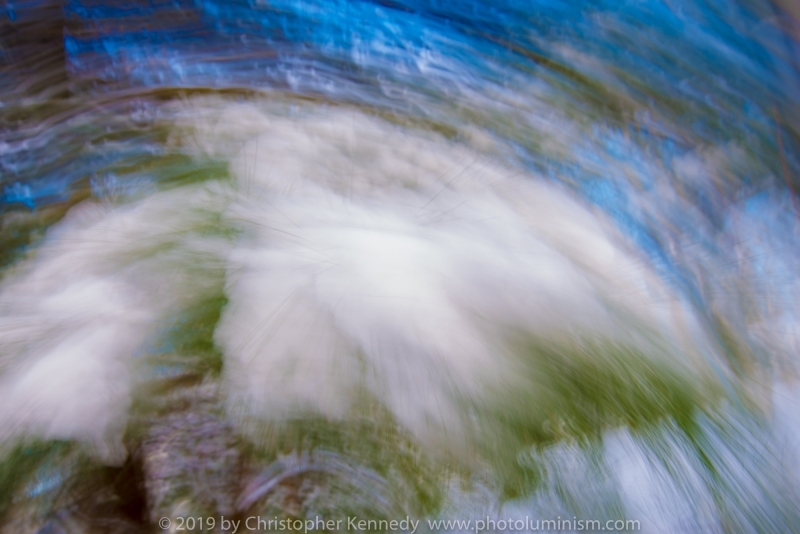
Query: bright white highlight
{"type": "Point", "coordinates": [362, 258]}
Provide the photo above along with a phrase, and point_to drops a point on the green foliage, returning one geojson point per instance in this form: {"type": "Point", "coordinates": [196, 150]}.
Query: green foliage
{"type": "Point", "coordinates": [192, 338]}
{"type": "Point", "coordinates": [575, 392]}
{"type": "Point", "coordinates": [20, 464]}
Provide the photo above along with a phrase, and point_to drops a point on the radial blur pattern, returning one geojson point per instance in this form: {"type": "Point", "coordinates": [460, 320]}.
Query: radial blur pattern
{"type": "Point", "coordinates": [414, 265]}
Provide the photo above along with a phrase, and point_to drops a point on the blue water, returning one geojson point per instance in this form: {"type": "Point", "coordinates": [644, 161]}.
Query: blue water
{"type": "Point", "coordinates": [654, 80]}
{"type": "Point", "coordinates": [650, 82]}
{"type": "Point", "coordinates": [678, 120]}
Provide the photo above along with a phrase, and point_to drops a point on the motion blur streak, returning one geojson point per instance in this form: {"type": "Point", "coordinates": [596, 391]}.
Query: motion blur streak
{"type": "Point", "coordinates": [399, 260]}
